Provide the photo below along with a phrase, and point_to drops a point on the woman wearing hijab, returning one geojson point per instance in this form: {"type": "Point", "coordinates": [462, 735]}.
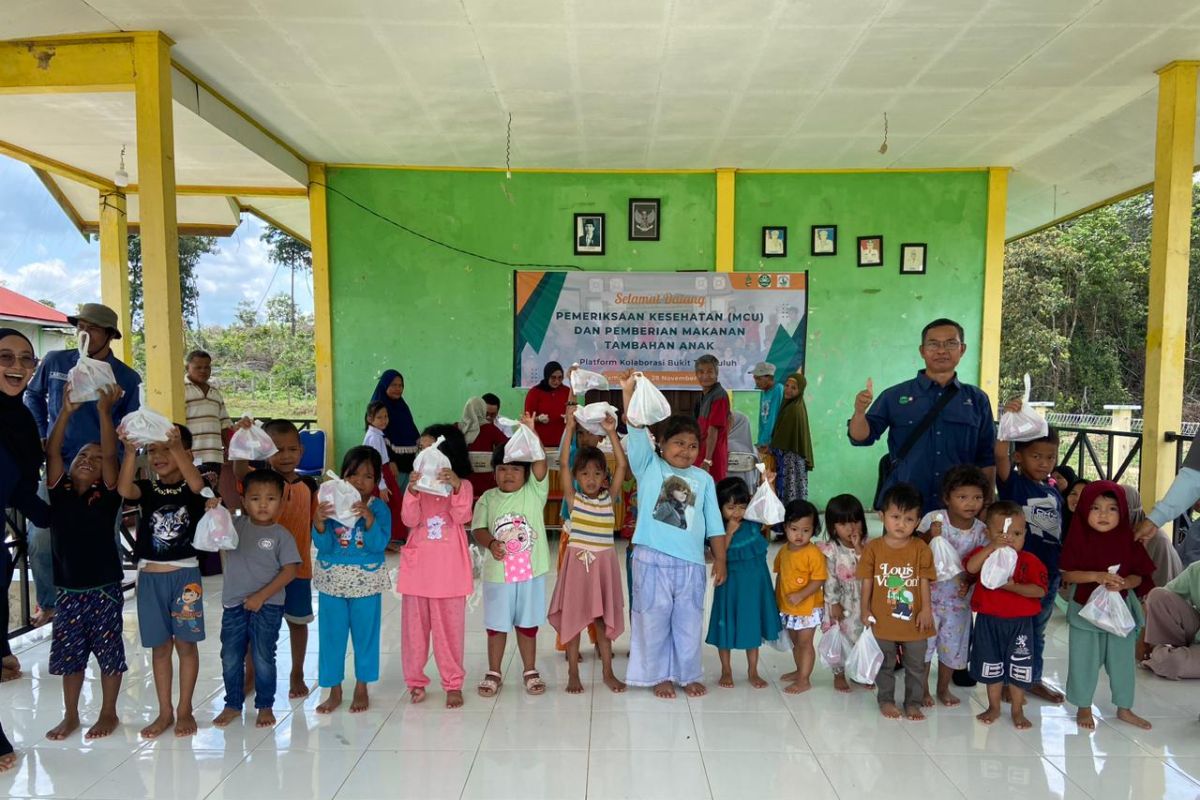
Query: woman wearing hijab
{"type": "Point", "coordinates": [20, 463]}
{"type": "Point", "coordinates": [482, 437]}
{"type": "Point", "coordinates": [401, 434]}
{"type": "Point", "coordinates": [791, 443]}
{"type": "Point", "coordinates": [547, 402]}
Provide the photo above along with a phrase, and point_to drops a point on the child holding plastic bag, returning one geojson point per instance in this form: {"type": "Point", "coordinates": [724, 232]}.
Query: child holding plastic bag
{"type": "Point", "coordinates": [895, 571]}
{"type": "Point", "coordinates": [846, 529]}
{"type": "Point", "coordinates": [957, 525]}
{"type": "Point", "coordinates": [377, 422]}
{"type": "Point", "coordinates": [1101, 537]}
{"type": "Point", "coordinates": [799, 590]}
{"type": "Point", "coordinates": [1001, 643]}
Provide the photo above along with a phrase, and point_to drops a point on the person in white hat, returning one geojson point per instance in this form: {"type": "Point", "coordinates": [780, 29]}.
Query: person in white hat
{"type": "Point", "coordinates": [768, 410]}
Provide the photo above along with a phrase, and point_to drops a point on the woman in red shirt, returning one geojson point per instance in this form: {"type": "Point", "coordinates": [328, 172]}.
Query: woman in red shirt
{"type": "Point", "coordinates": [482, 437]}
{"type": "Point", "coordinates": [547, 402]}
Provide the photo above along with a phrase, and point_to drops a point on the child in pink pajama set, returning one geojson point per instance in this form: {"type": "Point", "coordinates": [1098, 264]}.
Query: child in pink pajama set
{"type": "Point", "coordinates": [435, 573]}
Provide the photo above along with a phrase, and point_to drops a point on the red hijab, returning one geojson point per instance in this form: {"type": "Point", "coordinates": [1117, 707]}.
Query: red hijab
{"type": "Point", "coordinates": [1087, 549]}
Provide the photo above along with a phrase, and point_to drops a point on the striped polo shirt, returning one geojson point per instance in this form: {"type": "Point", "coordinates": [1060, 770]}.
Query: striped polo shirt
{"type": "Point", "coordinates": [206, 419]}
{"type": "Point", "coordinates": [592, 521]}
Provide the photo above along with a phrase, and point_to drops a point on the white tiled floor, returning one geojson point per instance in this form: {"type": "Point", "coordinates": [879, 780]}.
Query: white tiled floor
{"type": "Point", "coordinates": [734, 743]}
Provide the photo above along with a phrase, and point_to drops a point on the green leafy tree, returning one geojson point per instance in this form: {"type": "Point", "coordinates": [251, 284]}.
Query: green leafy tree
{"type": "Point", "coordinates": [291, 253]}
{"type": "Point", "coordinates": [191, 249]}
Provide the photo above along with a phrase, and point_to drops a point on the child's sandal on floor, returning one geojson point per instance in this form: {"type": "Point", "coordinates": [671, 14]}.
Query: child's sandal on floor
{"type": "Point", "coordinates": [533, 682]}
{"type": "Point", "coordinates": [490, 685]}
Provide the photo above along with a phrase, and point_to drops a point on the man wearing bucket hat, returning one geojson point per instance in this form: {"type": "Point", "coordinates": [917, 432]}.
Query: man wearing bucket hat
{"type": "Point", "coordinates": [44, 397]}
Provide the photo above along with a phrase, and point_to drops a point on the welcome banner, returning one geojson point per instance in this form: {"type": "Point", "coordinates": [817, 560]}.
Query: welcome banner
{"type": "Point", "coordinates": [659, 323]}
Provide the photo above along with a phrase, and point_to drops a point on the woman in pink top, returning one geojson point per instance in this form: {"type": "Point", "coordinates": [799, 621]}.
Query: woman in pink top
{"type": "Point", "coordinates": [435, 569]}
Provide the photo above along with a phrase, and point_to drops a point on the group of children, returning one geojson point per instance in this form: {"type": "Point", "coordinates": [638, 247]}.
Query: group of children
{"type": "Point", "coordinates": [847, 581]}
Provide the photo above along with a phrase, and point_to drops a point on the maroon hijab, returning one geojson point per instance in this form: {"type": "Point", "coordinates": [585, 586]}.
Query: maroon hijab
{"type": "Point", "coordinates": [1090, 550]}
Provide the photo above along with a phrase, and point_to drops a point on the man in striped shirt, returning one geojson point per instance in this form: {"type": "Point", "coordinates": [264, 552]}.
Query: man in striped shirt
{"type": "Point", "coordinates": [207, 418]}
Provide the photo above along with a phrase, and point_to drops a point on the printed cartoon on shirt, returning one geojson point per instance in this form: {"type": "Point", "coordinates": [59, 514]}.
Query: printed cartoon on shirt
{"type": "Point", "coordinates": [434, 526]}
{"type": "Point", "coordinates": [167, 524]}
{"type": "Point", "coordinates": [187, 615]}
{"type": "Point", "coordinates": [899, 582]}
{"type": "Point", "coordinates": [676, 504]}
{"type": "Point", "coordinates": [1043, 518]}
{"type": "Point", "coordinates": [348, 536]}
{"type": "Point", "coordinates": [517, 536]}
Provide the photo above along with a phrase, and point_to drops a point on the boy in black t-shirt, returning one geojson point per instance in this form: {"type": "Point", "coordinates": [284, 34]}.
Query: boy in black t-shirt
{"type": "Point", "coordinates": [170, 600]}
{"type": "Point", "coordinates": [84, 504]}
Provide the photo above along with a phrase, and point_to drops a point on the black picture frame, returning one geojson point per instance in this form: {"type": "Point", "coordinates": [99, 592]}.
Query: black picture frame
{"type": "Point", "coordinates": [878, 251]}
{"type": "Point", "coordinates": [640, 206]}
{"type": "Point", "coordinates": [577, 233]}
{"type": "Point", "coordinates": [772, 251]}
{"type": "Point", "coordinates": [913, 269]}
{"type": "Point", "coordinates": [831, 239]}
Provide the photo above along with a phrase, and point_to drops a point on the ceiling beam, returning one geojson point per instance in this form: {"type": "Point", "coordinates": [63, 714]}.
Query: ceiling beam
{"type": "Point", "coordinates": [89, 62]}
{"type": "Point", "coordinates": [60, 198]}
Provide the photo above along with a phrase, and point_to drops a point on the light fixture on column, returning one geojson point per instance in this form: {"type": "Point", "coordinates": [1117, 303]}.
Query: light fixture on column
{"type": "Point", "coordinates": [121, 178]}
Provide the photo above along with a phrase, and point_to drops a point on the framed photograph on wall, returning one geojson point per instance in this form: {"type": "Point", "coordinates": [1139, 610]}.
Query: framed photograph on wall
{"type": "Point", "coordinates": [774, 243]}
{"type": "Point", "coordinates": [870, 251]}
{"type": "Point", "coordinates": [824, 240]}
{"type": "Point", "coordinates": [589, 234]}
{"type": "Point", "coordinates": [644, 219]}
{"type": "Point", "coordinates": [912, 258]}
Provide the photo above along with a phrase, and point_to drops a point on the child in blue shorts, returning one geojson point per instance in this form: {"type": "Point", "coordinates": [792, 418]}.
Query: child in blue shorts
{"type": "Point", "coordinates": [84, 505]}
{"type": "Point", "coordinates": [170, 598]}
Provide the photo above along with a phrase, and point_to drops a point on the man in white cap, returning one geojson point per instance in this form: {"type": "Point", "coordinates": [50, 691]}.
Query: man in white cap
{"type": "Point", "coordinates": [44, 398]}
{"type": "Point", "coordinates": [768, 411]}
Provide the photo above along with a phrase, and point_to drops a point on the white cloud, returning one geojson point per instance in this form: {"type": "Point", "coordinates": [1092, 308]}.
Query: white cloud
{"type": "Point", "coordinates": [54, 280]}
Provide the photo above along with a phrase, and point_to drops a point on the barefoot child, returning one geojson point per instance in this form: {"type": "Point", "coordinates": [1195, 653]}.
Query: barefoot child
{"type": "Point", "coordinates": [256, 574]}
{"type": "Point", "coordinates": [296, 515]}
{"type": "Point", "coordinates": [351, 578]}
{"type": "Point", "coordinates": [799, 589]}
{"type": "Point", "coordinates": [509, 521]}
{"type": "Point", "coordinates": [895, 571]}
{"type": "Point", "coordinates": [1002, 640]}
{"type": "Point", "coordinates": [170, 599]}
{"type": "Point", "coordinates": [1101, 537]}
{"type": "Point", "coordinates": [87, 566]}
{"type": "Point", "coordinates": [434, 579]}
{"type": "Point", "coordinates": [678, 511]}
{"type": "Point", "coordinates": [963, 490]}
{"type": "Point", "coordinates": [846, 528]}
{"type": "Point", "coordinates": [588, 591]}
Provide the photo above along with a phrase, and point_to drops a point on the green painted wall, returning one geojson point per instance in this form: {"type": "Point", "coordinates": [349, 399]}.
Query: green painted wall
{"type": "Point", "coordinates": [445, 319]}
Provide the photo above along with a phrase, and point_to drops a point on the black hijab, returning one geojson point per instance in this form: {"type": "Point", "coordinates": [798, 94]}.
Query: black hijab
{"type": "Point", "coordinates": [547, 371]}
{"type": "Point", "coordinates": [18, 430]}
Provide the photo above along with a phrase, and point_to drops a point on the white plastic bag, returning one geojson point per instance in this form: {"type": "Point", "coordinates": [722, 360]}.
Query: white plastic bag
{"type": "Point", "coordinates": [998, 568]}
{"type": "Point", "coordinates": [215, 531]}
{"type": "Point", "coordinates": [523, 446]}
{"type": "Point", "coordinates": [1024, 425]}
{"type": "Point", "coordinates": [590, 416]}
{"type": "Point", "coordinates": [342, 496]}
{"type": "Point", "coordinates": [647, 406]}
{"type": "Point", "coordinates": [428, 463]}
{"type": "Point", "coordinates": [833, 649]}
{"type": "Point", "coordinates": [583, 381]}
{"type": "Point", "coordinates": [865, 659]}
{"type": "Point", "coordinates": [145, 426]}
{"type": "Point", "coordinates": [251, 444]}
{"type": "Point", "coordinates": [1106, 609]}
{"type": "Point", "coordinates": [507, 426]}
{"type": "Point", "coordinates": [946, 560]}
{"type": "Point", "coordinates": [88, 375]}
{"type": "Point", "coordinates": [765, 507]}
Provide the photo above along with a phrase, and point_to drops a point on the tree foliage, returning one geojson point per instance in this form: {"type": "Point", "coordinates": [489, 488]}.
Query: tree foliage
{"type": "Point", "coordinates": [191, 249]}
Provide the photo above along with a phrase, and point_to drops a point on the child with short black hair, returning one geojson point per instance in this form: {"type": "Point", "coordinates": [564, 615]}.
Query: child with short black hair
{"type": "Point", "coordinates": [256, 574]}
{"type": "Point", "coordinates": [846, 529]}
{"type": "Point", "coordinates": [1024, 478]}
{"type": "Point", "coordinates": [170, 597]}
{"type": "Point", "coordinates": [895, 570]}
{"type": "Point", "coordinates": [376, 423]}
{"type": "Point", "coordinates": [84, 504]}
{"type": "Point", "coordinates": [713, 412]}
{"type": "Point", "coordinates": [1001, 642]}
{"type": "Point", "coordinates": [799, 589]}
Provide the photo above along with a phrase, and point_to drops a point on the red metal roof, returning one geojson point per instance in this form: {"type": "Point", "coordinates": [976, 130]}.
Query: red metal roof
{"type": "Point", "coordinates": [18, 306]}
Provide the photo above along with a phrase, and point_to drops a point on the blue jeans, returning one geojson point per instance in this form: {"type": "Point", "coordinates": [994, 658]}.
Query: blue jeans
{"type": "Point", "coordinates": [240, 628]}
{"type": "Point", "coordinates": [41, 559]}
{"type": "Point", "coordinates": [1039, 625]}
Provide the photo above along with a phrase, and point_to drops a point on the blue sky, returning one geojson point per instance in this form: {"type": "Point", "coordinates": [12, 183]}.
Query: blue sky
{"type": "Point", "coordinates": [44, 257]}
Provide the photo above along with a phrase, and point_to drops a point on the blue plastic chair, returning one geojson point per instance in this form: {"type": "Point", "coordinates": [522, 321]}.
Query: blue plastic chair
{"type": "Point", "coordinates": [312, 463]}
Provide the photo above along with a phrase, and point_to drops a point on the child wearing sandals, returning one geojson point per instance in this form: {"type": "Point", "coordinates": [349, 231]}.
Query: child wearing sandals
{"type": "Point", "coordinates": [509, 522]}
{"type": "Point", "coordinates": [678, 512]}
{"type": "Point", "coordinates": [434, 579]}
{"type": "Point", "coordinates": [799, 589]}
{"type": "Point", "coordinates": [588, 591]}
{"type": "Point", "coordinates": [846, 528]}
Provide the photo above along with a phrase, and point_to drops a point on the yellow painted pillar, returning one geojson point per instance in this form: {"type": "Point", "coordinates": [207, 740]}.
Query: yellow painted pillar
{"type": "Point", "coordinates": [322, 308]}
{"type": "Point", "coordinates": [1170, 240]}
{"type": "Point", "coordinates": [161, 308]}
{"type": "Point", "coordinates": [114, 268]}
{"type": "Point", "coordinates": [993, 285]}
{"type": "Point", "coordinates": [726, 180]}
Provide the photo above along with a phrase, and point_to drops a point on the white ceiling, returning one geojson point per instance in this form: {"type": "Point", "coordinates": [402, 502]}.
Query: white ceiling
{"type": "Point", "coordinates": [1062, 90]}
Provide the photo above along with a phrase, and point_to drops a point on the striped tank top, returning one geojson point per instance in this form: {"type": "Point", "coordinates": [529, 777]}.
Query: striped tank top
{"type": "Point", "coordinates": [592, 522]}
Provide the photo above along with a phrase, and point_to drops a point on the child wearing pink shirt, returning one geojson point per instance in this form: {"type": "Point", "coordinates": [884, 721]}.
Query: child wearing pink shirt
{"type": "Point", "coordinates": [435, 571]}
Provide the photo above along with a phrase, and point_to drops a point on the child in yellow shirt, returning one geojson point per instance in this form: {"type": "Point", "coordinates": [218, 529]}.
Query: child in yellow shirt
{"type": "Point", "coordinates": [799, 589]}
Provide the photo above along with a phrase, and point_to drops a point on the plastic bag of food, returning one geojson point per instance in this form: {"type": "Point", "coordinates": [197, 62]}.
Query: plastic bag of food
{"type": "Point", "coordinates": [946, 560]}
{"type": "Point", "coordinates": [145, 426]}
{"type": "Point", "coordinates": [590, 416]}
{"type": "Point", "coordinates": [1024, 425]}
{"type": "Point", "coordinates": [1107, 610]}
{"type": "Point", "coordinates": [833, 649]}
{"type": "Point", "coordinates": [998, 568]}
{"type": "Point", "coordinates": [215, 531]}
{"type": "Point", "coordinates": [342, 496]}
{"type": "Point", "coordinates": [88, 375]}
{"type": "Point", "coordinates": [583, 381]}
{"type": "Point", "coordinates": [523, 446]}
{"type": "Point", "coordinates": [507, 426]}
{"type": "Point", "coordinates": [647, 405]}
{"type": "Point", "coordinates": [428, 464]}
{"type": "Point", "coordinates": [865, 659]}
{"type": "Point", "coordinates": [251, 444]}
{"type": "Point", "coordinates": [764, 506]}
